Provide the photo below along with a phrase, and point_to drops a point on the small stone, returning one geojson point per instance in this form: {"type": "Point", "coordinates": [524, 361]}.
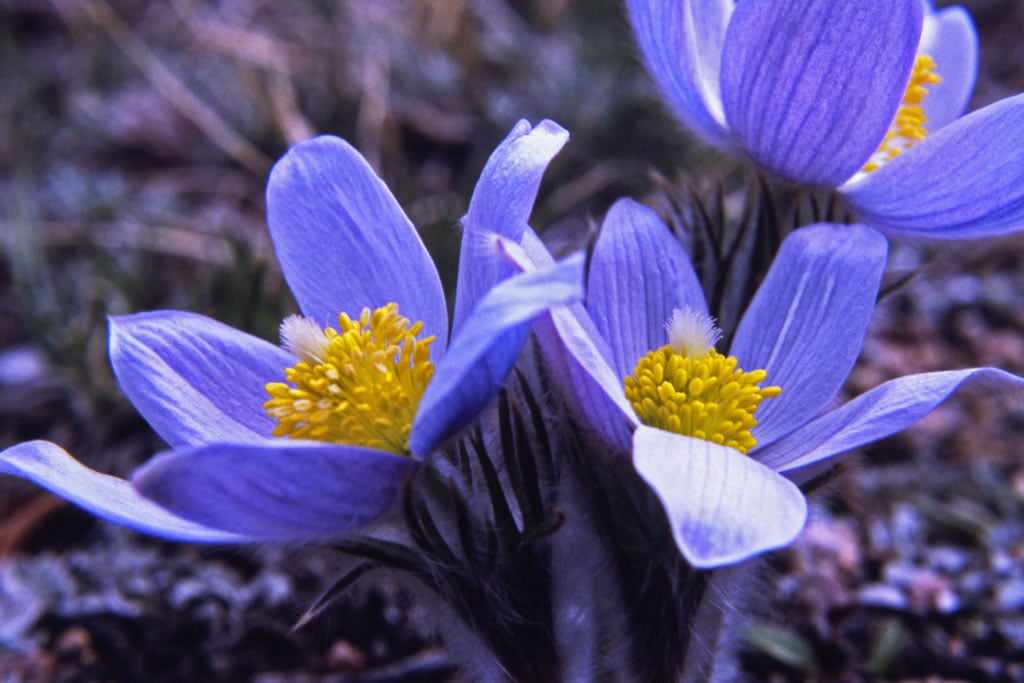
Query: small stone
{"type": "Point", "coordinates": [974, 584]}
{"type": "Point", "coordinates": [1012, 629]}
{"type": "Point", "coordinates": [881, 595]}
{"type": "Point", "coordinates": [948, 559]}
{"type": "Point", "coordinates": [946, 601]}
{"type": "Point", "coordinates": [22, 365]}
{"type": "Point", "coordinates": [274, 588]}
{"type": "Point", "coordinates": [346, 657]}
{"type": "Point", "coordinates": [907, 526]}
{"type": "Point", "coordinates": [187, 591]}
{"type": "Point", "coordinates": [1002, 564]}
{"type": "Point", "coordinates": [880, 538]}
{"type": "Point", "coordinates": [923, 585]}
{"type": "Point", "coordinates": [1010, 595]}
{"type": "Point", "coordinates": [77, 641]}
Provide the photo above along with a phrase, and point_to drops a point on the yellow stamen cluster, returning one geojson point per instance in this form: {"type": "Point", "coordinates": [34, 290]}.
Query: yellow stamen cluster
{"type": "Point", "coordinates": [909, 126]}
{"type": "Point", "coordinates": [358, 385]}
{"type": "Point", "coordinates": [705, 397]}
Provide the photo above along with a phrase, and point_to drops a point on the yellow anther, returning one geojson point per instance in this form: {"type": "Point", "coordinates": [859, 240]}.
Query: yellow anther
{"type": "Point", "coordinates": [358, 385]}
{"type": "Point", "coordinates": [908, 127]}
{"type": "Point", "coordinates": [707, 397]}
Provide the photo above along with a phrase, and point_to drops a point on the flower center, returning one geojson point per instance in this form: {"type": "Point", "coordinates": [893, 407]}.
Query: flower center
{"type": "Point", "coordinates": [909, 126]}
{"type": "Point", "coordinates": [687, 387]}
{"type": "Point", "coordinates": [360, 385]}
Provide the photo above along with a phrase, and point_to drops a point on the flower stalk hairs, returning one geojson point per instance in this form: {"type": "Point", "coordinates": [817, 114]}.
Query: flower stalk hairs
{"type": "Point", "coordinates": [315, 439]}
{"type": "Point", "coordinates": [864, 97]}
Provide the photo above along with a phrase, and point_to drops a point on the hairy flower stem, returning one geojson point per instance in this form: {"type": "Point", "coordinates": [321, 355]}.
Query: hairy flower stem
{"type": "Point", "coordinates": [552, 558]}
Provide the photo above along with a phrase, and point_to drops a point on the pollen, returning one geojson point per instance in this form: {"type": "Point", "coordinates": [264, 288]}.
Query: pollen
{"type": "Point", "coordinates": [688, 388]}
{"type": "Point", "coordinates": [909, 126]}
{"type": "Point", "coordinates": [360, 384]}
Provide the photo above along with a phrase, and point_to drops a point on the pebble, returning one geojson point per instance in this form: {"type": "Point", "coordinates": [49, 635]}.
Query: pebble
{"type": "Point", "coordinates": [1002, 564]}
{"type": "Point", "coordinates": [1010, 595]}
{"type": "Point", "coordinates": [881, 595]}
{"type": "Point", "coordinates": [22, 365]}
{"type": "Point", "coordinates": [346, 657]}
{"type": "Point", "coordinates": [1012, 629]}
{"type": "Point", "coordinates": [878, 533]}
{"type": "Point", "coordinates": [948, 559]}
{"type": "Point", "coordinates": [947, 602]}
{"type": "Point", "coordinates": [907, 526]}
{"type": "Point", "coordinates": [187, 591]}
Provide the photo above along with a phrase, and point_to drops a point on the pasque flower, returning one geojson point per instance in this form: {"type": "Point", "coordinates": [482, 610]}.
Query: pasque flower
{"type": "Point", "coordinates": [313, 440]}
{"type": "Point", "coordinates": [864, 96]}
{"type": "Point", "coordinates": [725, 439]}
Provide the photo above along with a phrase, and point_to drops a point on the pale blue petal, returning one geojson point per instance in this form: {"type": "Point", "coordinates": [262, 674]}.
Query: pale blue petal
{"type": "Point", "coordinates": [951, 40]}
{"type": "Point", "coordinates": [723, 506]}
{"type": "Point", "coordinates": [195, 380]}
{"type": "Point", "coordinates": [105, 496]}
{"type": "Point", "coordinates": [806, 324]}
{"type": "Point", "coordinates": [344, 243]}
{"type": "Point", "coordinates": [639, 274]}
{"type": "Point", "coordinates": [502, 203]}
{"type": "Point", "coordinates": [885, 410]}
{"type": "Point", "coordinates": [964, 181]}
{"type": "Point", "coordinates": [576, 359]}
{"type": "Point", "coordinates": [279, 491]}
{"type": "Point", "coordinates": [482, 355]}
{"type": "Point", "coordinates": [810, 87]}
{"type": "Point", "coordinates": [681, 42]}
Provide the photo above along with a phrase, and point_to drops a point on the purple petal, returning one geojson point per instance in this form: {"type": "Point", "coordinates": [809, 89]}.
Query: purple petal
{"type": "Point", "coordinates": [723, 506]}
{"type": "Point", "coordinates": [576, 359]}
{"type": "Point", "coordinates": [810, 87]}
{"type": "Point", "coordinates": [195, 380]}
{"type": "Point", "coordinates": [881, 412]}
{"type": "Point", "coordinates": [105, 496]}
{"type": "Point", "coordinates": [502, 203]}
{"type": "Point", "coordinates": [344, 243]}
{"type": "Point", "coordinates": [639, 274]}
{"type": "Point", "coordinates": [806, 324]}
{"type": "Point", "coordinates": [482, 355]}
{"type": "Point", "coordinates": [949, 37]}
{"type": "Point", "coordinates": [280, 491]}
{"type": "Point", "coordinates": [964, 181]}
{"type": "Point", "coordinates": [681, 42]}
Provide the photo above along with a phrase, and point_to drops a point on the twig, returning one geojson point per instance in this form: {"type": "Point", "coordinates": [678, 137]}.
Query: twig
{"type": "Point", "coordinates": [172, 89]}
